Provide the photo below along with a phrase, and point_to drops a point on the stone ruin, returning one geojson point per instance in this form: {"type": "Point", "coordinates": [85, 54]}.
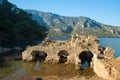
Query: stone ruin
{"type": "Point", "coordinates": [62, 51]}
{"type": "Point", "coordinates": [77, 50]}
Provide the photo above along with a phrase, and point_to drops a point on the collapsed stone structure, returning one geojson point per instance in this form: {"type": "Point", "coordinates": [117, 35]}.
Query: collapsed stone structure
{"type": "Point", "coordinates": [78, 50]}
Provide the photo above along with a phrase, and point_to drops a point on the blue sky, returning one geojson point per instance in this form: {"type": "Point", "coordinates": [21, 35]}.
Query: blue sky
{"type": "Point", "coordinates": [104, 11]}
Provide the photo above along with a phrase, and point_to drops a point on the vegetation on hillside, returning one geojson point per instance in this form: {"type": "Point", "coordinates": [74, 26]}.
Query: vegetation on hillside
{"type": "Point", "coordinates": [62, 25]}
{"type": "Point", "coordinates": [16, 24]}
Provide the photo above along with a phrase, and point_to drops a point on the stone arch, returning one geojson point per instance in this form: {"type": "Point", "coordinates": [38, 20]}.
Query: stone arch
{"type": "Point", "coordinates": [39, 55]}
{"type": "Point", "coordinates": [86, 57]}
{"type": "Point", "coordinates": [63, 54]}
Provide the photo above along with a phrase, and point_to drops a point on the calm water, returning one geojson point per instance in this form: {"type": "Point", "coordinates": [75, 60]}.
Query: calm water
{"type": "Point", "coordinates": [113, 43]}
{"type": "Point", "coordinates": [22, 43]}
{"type": "Point", "coordinates": [18, 70]}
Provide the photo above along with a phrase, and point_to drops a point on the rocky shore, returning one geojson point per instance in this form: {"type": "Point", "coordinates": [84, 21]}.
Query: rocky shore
{"type": "Point", "coordinates": [10, 53]}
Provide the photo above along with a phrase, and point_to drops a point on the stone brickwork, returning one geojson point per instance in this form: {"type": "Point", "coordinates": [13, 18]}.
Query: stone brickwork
{"type": "Point", "coordinates": [77, 50]}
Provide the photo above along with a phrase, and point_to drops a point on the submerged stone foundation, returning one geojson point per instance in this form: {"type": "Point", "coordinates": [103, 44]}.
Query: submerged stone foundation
{"type": "Point", "coordinates": [78, 50]}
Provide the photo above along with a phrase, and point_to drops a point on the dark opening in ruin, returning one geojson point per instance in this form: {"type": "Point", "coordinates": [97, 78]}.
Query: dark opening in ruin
{"type": "Point", "coordinates": [39, 55]}
{"type": "Point", "coordinates": [63, 56]}
{"type": "Point", "coordinates": [101, 49]}
{"type": "Point", "coordinates": [86, 58]}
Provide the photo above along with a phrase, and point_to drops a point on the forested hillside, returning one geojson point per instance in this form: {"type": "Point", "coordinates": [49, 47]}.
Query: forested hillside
{"type": "Point", "coordinates": [16, 24]}
{"type": "Point", "coordinates": [64, 25]}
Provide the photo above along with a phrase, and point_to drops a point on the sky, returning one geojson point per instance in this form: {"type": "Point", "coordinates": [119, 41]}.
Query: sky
{"type": "Point", "coordinates": [104, 11]}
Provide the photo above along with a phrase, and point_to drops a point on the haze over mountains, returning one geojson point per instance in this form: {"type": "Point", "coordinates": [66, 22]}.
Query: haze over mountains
{"type": "Point", "coordinates": [63, 25]}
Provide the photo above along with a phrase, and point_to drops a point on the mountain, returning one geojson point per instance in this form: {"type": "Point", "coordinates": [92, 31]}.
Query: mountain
{"type": "Point", "coordinates": [16, 24]}
{"type": "Point", "coordinates": [62, 25]}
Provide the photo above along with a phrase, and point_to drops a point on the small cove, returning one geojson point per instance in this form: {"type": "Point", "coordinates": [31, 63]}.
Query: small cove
{"type": "Point", "coordinates": [17, 69]}
{"type": "Point", "coordinates": [113, 43]}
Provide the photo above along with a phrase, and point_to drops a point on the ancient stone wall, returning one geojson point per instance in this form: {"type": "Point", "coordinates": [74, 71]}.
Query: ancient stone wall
{"type": "Point", "coordinates": [77, 50]}
{"type": "Point", "coordinates": [73, 47]}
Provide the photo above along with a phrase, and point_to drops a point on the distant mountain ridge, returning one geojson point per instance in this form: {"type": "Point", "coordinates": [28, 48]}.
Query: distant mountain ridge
{"type": "Point", "coordinates": [62, 25]}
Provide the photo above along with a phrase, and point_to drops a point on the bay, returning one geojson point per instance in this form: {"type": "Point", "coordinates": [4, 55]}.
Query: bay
{"type": "Point", "coordinates": [18, 69]}
{"type": "Point", "coordinates": [22, 43]}
{"type": "Point", "coordinates": [113, 43]}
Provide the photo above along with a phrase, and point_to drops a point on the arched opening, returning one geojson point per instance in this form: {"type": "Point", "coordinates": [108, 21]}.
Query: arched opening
{"type": "Point", "coordinates": [86, 58]}
{"type": "Point", "coordinates": [101, 49]}
{"type": "Point", "coordinates": [63, 56]}
{"type": "Point", "coordinates": [39, 55]}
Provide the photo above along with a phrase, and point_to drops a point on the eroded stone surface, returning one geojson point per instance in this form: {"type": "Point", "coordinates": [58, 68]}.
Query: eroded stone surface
{"type": "Point", "coordinates": [72, 51]}
{"type": "Point", "coordinates": [73, 47]}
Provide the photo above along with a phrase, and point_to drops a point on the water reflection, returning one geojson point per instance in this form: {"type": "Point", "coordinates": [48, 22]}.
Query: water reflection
{"type": "Point", "coordinates": [61, 70]}
{"type": "Point", "coordinates": [85, 65]}
{"type": "Point", "coordinates": [46, 69]}
{"type": "Point", "coordinates": [31, 71]}
{"type": "Point", "coordinates": [37, 67]}
{"type": "Point", "coordinates": [39, 79]}
{"type": "Point", "coordinates": [7, 68]}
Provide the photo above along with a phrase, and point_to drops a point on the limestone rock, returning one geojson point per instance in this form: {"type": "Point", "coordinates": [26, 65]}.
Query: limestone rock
{"type": "Point", "coordinates": [77, 50]}
{"type": "Point", "coordinates": [74, 47]}
{"type": "Point", "coordinates": [108, 53]}
{"type": "Point", "coordinates": [108, 69]}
